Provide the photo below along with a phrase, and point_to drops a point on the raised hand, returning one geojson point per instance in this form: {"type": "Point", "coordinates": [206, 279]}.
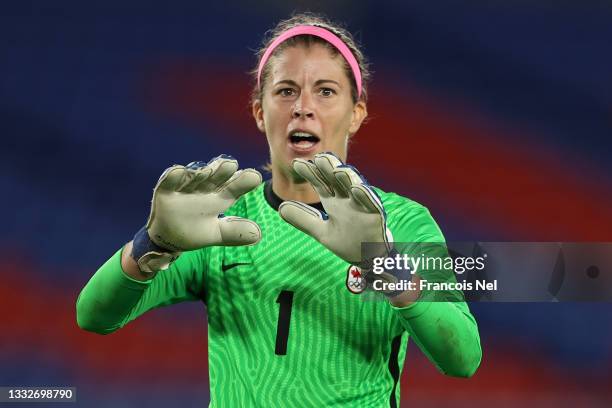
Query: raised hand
{"type": "Point", "coordinates": [187, 212]}
{"type": "Point", "coordinates": [353, 211]}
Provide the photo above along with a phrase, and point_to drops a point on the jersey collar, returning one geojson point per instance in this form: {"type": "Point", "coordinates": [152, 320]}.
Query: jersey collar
{"type": "Point", "coordinates": [275, 201]}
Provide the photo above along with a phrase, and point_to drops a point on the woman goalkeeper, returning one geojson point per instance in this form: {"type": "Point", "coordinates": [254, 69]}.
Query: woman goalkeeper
{"type": "Point", "coordinates": [279, 264]}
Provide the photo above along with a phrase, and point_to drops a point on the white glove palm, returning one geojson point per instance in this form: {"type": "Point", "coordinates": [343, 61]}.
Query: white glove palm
{"type": "Point", "coordinates": [354, 212]}
{"type": "Point", "coordinates": [188, 203]}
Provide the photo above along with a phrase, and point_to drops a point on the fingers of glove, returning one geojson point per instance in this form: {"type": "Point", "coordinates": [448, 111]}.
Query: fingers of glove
{"type": "Point", "coordinates": [347, 176]}
{"type": "Point", "coordinates": [310, 173]}
{"type": "Point", "coordinates": [304, 217]}
{"type": "Point", "coordinates": [367, 198]}
{"type": "Point", "coordinates": [195, 178]}
{"type": "Point", "coordinates": [223, 167]}
{"type": "Point", "coordinates": [173, 179]}
{"type": "Point", "coordinates": [195, 165]}
{"type": "Point", "coordinates": [326, 163]}
{"type": "Point", "coordinates": [240, 183]}
{"type": "Point", "coordinates": [238, 231]}
{"type": "Point", "coordinates": [193, 174]}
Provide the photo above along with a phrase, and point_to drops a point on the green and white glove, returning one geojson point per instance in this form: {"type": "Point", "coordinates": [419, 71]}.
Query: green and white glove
{"type": "Point", "coordinates": [187, 212]}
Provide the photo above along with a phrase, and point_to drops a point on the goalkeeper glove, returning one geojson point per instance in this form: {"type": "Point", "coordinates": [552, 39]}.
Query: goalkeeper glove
{"type": "Point", "coordinates": [354, 214]}
{"type": "Point", "coordinates": [187, 212]}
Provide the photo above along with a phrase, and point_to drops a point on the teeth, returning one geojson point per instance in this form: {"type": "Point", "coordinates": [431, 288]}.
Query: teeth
{"type": "Point", "coordinates": [302, 134]}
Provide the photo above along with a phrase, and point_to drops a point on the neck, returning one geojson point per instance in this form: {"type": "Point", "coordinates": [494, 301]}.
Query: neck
{"type": "Point", "coordinates": [288, 188]}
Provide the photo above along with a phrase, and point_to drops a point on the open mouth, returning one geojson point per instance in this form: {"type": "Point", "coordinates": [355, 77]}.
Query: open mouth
{"type": "Point", "coordinates": [303, 140]}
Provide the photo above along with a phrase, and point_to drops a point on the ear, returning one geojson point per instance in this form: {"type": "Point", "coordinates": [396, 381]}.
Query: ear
{"type": "Point", "coordinates": [360, 112]}
{"type": "Point", "coordinates": [257, 110]}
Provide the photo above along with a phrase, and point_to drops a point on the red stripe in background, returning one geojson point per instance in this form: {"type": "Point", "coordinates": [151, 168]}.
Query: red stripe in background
{"type": "Point", "coordinates": [494, 176]}
{"type": "Point", "coordinates": [460, 163]}
{"type": "Point", "coordinates": [39, 329]}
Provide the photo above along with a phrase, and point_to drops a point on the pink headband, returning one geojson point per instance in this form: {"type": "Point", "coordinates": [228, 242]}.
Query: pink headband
{"type": "Point", "coordinates": [318, 32]}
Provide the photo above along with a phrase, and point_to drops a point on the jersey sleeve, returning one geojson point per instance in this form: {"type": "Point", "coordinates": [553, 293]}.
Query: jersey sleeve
{"type": "Point", "coordinates": [440, 323]}
{"type": "Point", "coordinates": [111, 298]}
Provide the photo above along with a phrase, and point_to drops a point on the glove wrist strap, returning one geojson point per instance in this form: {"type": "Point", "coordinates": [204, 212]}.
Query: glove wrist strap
{"type": "Point", "coordinates": [150, 257]}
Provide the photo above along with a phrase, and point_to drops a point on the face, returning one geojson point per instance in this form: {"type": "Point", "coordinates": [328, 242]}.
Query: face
{"type": "Point", "coordinates": [306, 107]}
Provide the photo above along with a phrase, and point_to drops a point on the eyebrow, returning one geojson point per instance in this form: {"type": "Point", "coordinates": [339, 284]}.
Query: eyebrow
{"type": "Point", "coordinates": [318, 82]}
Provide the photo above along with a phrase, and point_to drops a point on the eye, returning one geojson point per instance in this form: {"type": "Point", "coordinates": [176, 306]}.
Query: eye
{"type": "Point", "coordinates": [327, 92]}
{"type": "Point", "coordinates": [286, 92]}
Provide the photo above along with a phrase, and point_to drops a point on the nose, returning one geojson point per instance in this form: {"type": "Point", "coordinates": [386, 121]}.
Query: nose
{"type": "Point", "coordinates": [303, 108]}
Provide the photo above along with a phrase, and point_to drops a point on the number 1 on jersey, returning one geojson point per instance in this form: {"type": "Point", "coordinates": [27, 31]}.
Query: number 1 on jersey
{"type": "Point", "coordinates": [285, 299]}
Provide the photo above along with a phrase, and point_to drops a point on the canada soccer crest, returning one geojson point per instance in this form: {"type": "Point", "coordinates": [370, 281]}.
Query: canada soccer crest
{"type": "Point", "coordinates": [354, 280]}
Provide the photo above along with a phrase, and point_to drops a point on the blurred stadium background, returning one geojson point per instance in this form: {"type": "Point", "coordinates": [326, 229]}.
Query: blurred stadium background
{"type": "Point", "coordinates": [495, 115]}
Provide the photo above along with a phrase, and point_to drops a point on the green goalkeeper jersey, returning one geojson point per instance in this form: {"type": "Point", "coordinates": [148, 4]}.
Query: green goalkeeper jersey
{"type": "Point", "coordinates": [283, 328]}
